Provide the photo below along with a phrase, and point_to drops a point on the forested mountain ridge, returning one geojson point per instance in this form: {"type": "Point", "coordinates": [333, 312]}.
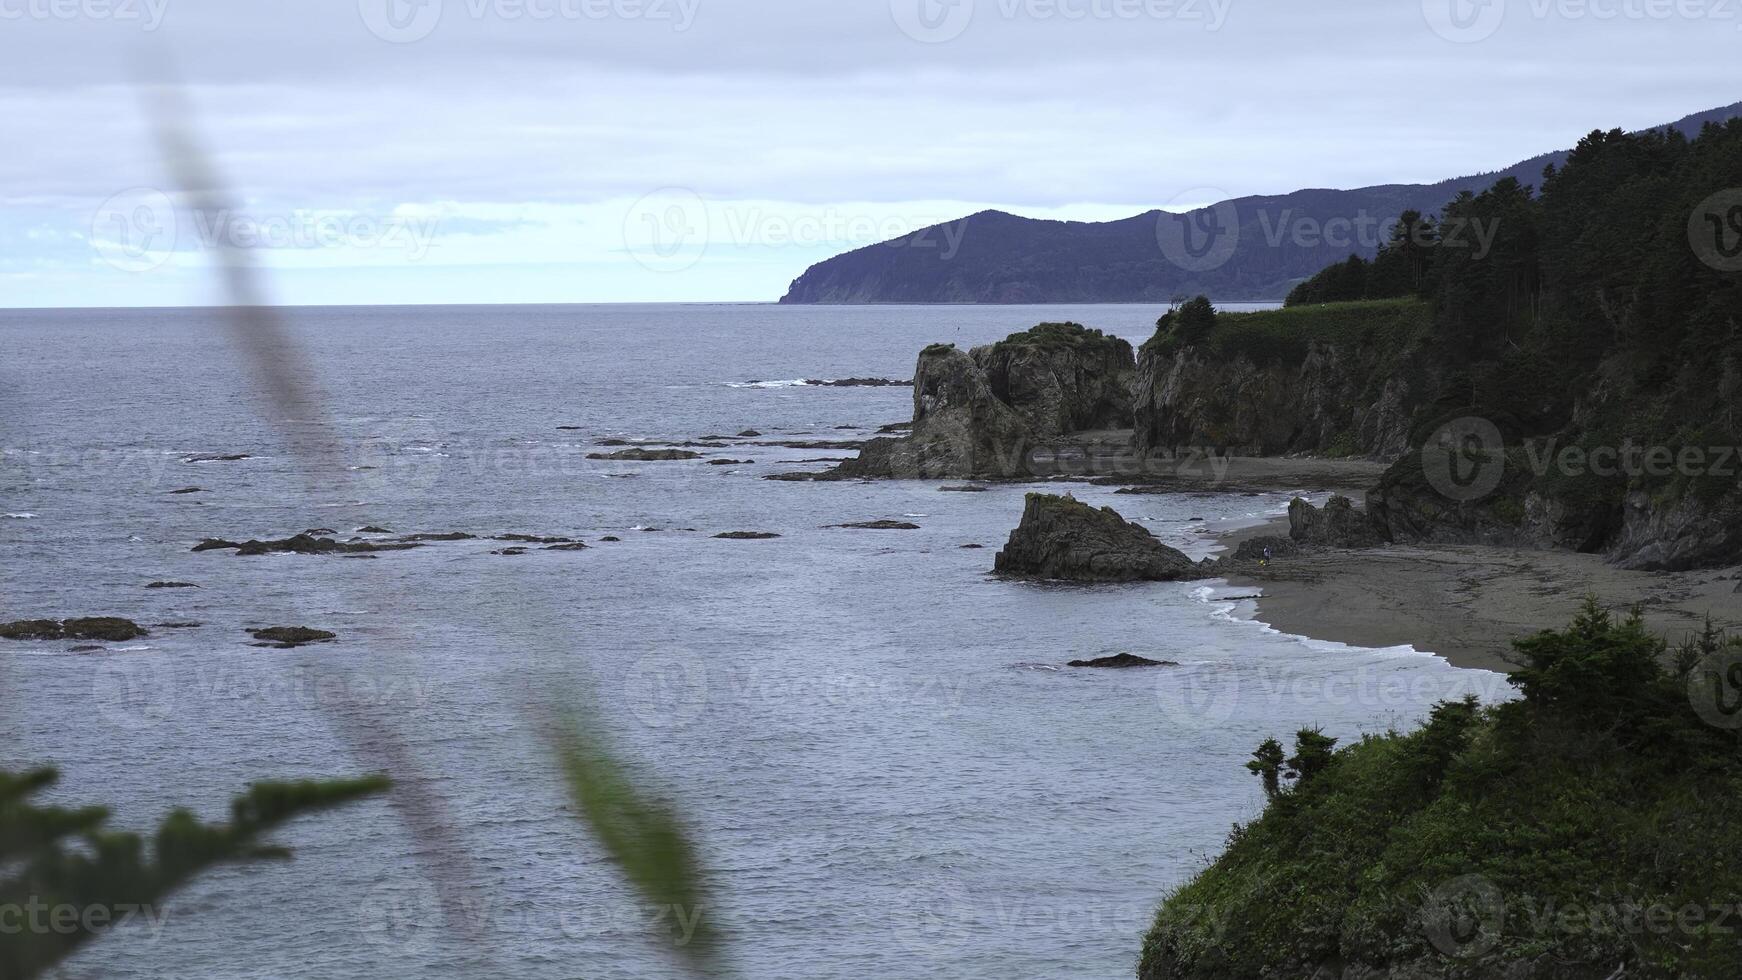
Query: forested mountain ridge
{"type": "Point", "coordinates": [1250, 248]}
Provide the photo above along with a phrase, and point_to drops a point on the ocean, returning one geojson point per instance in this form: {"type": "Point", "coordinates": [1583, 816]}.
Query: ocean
{"type": "Point", "coordinates": [873, 740]}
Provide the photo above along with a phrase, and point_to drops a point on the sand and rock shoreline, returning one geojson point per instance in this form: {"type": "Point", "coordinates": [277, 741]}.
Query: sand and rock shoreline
{"type": "Point", "coordinates": [1466, 603]}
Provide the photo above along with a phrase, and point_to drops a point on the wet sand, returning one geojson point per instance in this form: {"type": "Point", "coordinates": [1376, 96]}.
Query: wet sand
{"type": "Point", "coordinates": [1468, 603]}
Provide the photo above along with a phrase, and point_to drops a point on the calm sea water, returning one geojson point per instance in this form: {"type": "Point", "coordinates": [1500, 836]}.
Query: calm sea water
{"type": "Point", "coordinates": [867, 732]}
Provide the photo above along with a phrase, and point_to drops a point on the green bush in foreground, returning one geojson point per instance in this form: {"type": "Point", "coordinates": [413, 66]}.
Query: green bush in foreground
{"type": "Point", "coordinates": [1590, 827]}
{"type": "Point", "coordinates": [64, 880]}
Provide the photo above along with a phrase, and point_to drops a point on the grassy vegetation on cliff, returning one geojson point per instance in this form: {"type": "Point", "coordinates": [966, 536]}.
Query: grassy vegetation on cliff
{"type": "Point", "coordinates": [1056, 335]}
{"type": "Point", "coordinates": [1593, 825]}
{"type": "Point", "coordinates": [1272, 336]}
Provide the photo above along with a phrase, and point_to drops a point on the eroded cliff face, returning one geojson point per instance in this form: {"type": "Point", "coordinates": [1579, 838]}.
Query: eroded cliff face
{"type": "Point", "coordinates": [980, 413]}
{"type": "Point", "coordinates": [1337, 400]}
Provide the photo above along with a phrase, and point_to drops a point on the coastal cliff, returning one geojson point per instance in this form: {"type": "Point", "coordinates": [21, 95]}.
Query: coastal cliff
{"type": "Point", "coordinates": [1333, 380]}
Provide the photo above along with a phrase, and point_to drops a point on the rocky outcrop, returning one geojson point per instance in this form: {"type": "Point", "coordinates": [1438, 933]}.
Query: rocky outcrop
{"type": "Point", "coordinates": [1123, 661]}
{"type": "Point", "coordinates": [1063, 538]}
{"type": "Point", "coordinates": [291, 637]}
{"type": "Point", "coordinates": [1338, 525]}
{"type": "Point", "coordinates": [647, 455]}
{"type": "Point", "coordinates": [979, 413]}
{"type": "Point", "coordinates": [303, 544]}
{"type": "Point", "coordinates": [109, 628]}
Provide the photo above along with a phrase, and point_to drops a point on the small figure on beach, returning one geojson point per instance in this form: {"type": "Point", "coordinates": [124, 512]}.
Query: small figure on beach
{"type": "Point", "coordinates": [1266, 559]}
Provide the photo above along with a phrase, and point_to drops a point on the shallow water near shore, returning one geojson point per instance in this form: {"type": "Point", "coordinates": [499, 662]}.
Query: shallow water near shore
{"type": "Point", "coordinates": [888, 769]}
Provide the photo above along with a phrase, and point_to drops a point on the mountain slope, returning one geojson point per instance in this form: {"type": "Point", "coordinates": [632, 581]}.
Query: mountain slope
{"type": "Point", "coordinates": [995, 257]}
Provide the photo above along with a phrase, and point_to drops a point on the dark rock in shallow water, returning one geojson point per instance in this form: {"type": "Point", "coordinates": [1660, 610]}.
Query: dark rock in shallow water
{"type": "Point", "coordinates": [859, 383]}
{"type": "Point", "coordinates": [1338, 525]}
{"type": "Point", "coordinates": [571, 546]}
{"type": "Point", "coordinates": [87, 648]}
{"type": "Point", "coordinates": [1121, 661]}
{"type": "Point", "coordinates": [964, 489]}
{"type": "Point", "coordinates": [748, 434]}
{"type": "Point", "coordinates": [879, 526]}
{"type": "Point", "coordinates": [372, 529]}
{"type": "Point", "coordinates": [532, 539]}
{"type": "Point", "coordinates": [610, 537]}
{"type": "Point", "coordinates": [447, 536]}
{"type": "Point", "coordinates": [189, 490]}
{"type": "Point", "coordinates": [172, 585]}
{"type": "Point", "coordinates": [320, 532]}
{"type": "Point", "coordinates": [843, 445]}
{"type": "Point", "coordinates": [974, 546]}
{"type": "Point", "coordinates": [1063, 538]}
{"type": "Point", "coordinates": [303, 544]}
{"type": "Point", "coordinates": [110, 628]}
{"type": "Point", "coordinates": [215, 457]}
{"type": "Point", "coordinates": [510, 552]}
{"type": "Point", "coordinates": [178, 626]}
{"type": "Point", "coordinates": [647, 455]}
{"type": "Point", "coordinates": [568, 428]}
{"type": "Point", "coordinates": [287, 637]}
{"type": "Point", "coordinates": [730, 462]}
{"type": "Point", "coordinates": [746, 535]}
{"type": "Point", "coordinates": [895, 427]}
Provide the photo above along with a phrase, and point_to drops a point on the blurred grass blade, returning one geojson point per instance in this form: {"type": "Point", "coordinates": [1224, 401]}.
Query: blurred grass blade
{"type": "Point", "coordinates": [645, 839]}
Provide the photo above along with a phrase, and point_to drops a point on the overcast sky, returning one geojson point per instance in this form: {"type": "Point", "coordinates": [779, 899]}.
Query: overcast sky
{"type": "Point", "coordinates": [397, 151]}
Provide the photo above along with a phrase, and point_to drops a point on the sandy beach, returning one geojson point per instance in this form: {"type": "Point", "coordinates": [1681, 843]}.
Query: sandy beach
{"type": "Point", "coordinates": [1468, 603]}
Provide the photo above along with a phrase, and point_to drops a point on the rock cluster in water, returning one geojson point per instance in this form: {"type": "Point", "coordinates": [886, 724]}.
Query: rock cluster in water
{"type": "Point", "coordinates": [110, 628]}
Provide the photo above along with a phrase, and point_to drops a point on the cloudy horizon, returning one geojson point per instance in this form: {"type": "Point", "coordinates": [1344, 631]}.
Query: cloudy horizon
{"type": "Point", "coordinates": [502, 151]}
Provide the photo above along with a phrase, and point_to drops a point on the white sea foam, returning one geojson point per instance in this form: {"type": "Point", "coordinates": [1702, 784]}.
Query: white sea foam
{"type": "Point", "coordinates": [788, 383]}
{"type": "Point", "coordinates": [20, 516]}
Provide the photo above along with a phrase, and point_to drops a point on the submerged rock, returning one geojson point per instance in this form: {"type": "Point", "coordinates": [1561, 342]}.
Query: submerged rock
{"type": "Point", "coordinates": [288, 637]}
{"type": "Point", "coordinates": [110, 628]}
{"type": "Point", "coordinates": [1063, 538]}
{"type": "Point", "coordinates": [215, 457]}
{"type": "Point", "coordinates": [878, 526]}
{"type": "Point", "coordinates": [185, 490]}
{"type": "Point", "coordinates": [859, 383]}
{"type": "Point", "coordinates": [963, 489]}
{"type": "Point", "coordinates": [730, 462]}
{"type": "Point", "coordinates": [746, 535]}
{"type": "Point", "coordinates": [1122, 661]}
{"type": "Point", "coordinates": [570, 546]}
{"type": "Point", "coordinates": [532, 539]}
{"type": "Point", "coordinates": [647, 455]}
{"type": "Point", "coordinates": [444, 536]}
{"type": "Point", "coordinates": [172, 585]}
{"type": "Point", "coordinates": [372, 529]}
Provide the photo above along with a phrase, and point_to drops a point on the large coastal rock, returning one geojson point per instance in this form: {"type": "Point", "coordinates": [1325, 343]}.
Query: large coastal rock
{"type": "Point", "coordinates": [1064, 538]}
{"type": "Point", "coordinates": [979, 413]}
{"type": "Point", "coordinates": [1337, 525]}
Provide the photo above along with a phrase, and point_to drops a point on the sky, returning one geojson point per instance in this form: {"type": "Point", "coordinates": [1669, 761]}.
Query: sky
{"type": "Point", "coordinates": [550, 151]}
